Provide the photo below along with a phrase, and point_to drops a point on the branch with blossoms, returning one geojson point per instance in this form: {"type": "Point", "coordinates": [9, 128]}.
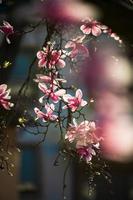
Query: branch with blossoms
{"type": "Point", "coordinates": [61, 104]}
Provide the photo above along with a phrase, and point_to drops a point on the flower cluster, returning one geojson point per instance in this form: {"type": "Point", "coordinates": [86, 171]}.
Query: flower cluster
{"type": "Point", "coordinates": [5, 97]}
{"type": "Point", "coordinates": [57, 99]}
{"type": "Point", "coordinates": [51, 85]}
{"type": "Point", "coordinates": [85, 138]}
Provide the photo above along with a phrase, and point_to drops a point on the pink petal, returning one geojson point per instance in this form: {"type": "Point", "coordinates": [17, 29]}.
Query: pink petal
{"type": "Point", "coordinates": [5, 23]}
{"type": "Point", "coordinates": [96, 145]}
{"type": "Point", "coordinates": [39, 113]}
{"type": "Point", "coordinates": [6, 94]}
{"type": "Point", "coordinates": [40, 54]}
{"type": "Point", "coordinates": [61, 80]}
{"type": "Point", "coordinates": [96, 31]}
{"type": "Point", "coordinates": [83, 103]}
{"type": "Point", "coordinates": [53, 117]}
{"type": "Point", "coordinates": [88, 158]}
{"type": "Point", "coordinates": [79, 94]}
{"type": "Point", "coordinates": [8, 40]}
{"type": "Point", "coordinates": [41, 99]}
{"type": "Point", "coordinates": [7, 105]}
{"type": "Point", "coordinates": [92, 125]}
{"type": "Point", "coordinates": [92, 152]}
{"type": "Point", "coordinates": [66, 97]}
{"type": "Point", "coordinates": [3, 87]}
{"type": "Point", "coordinates": [101, 26]}
{"type": "Point", "coordinates": [60, 92]}
{"type": "Point", "coordinates": [43, 87]}
{"type": "Point", "coordinates": [74, 108]}
{"type": "Point", "coordinates": [55, 55]}
{"type": "Point", "coordinates": [61, 63]}
{"type": "Point", "coordinates": [85, 29]}
{"type": "Point", "coordinates": [41, 77]}
{"type": "Point", "coordinates": [42, 63]}
{"type": "Point", "coordinates": [75, 122]}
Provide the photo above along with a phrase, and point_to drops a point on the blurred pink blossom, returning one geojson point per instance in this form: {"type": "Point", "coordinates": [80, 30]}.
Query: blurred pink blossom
{"type": "Point", "coordinates": [118, 139]}
{"type": "Point", "coordinates": [66, 11]}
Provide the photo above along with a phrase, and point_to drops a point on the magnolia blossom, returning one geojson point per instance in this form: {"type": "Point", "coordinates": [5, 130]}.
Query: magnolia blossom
{"type": "Point", "coordinates": [7, 29]}
{"type": "Point", "coordinates": [92, 27]}
{"type": "Point", "coordinates": [86, 153]}
{"type": "Point", "coordinates": [74, 102]}
{"type": "Point", "coordinates": [5, 96]}
{"type": "Point", "coordinates": [48, 115]}
{"type": "Point", "coordinates": [77, 47]}
{"type": "Point", "coordinates": [50, 58]}
{"type": "Point", "coordinates": [84, 136]}
{"type": "Point", "coordinates": [53, 92]}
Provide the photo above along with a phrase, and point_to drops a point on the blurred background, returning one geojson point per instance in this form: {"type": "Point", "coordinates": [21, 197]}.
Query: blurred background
{"type": "Point", "coordinates": [35, 176]}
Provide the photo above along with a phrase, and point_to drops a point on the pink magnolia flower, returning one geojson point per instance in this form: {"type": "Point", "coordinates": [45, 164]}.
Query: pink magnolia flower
{"type": "Point", "coordinates": [48, 115]}
{"type": "Point", "coordinates": [50, 58]}
{"type": "Point", "coordinates": [86, 153]}
{"type": "Point", "coordinates": [52, 92]}
{"type": "Point", "coordinates": [4, 97]}
{"type": "Point", "coordinates": [7, 29]}
{"type": "Point", "coordinates": [77, 47]}
{"type": "Point", "coordinates": [74, 102]}
{"type": "Point", "coordinates": [92, 27]}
